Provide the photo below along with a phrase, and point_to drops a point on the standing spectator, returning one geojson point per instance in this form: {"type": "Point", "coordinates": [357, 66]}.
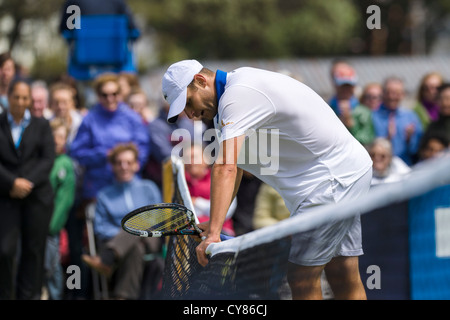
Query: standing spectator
{"type": "Point", "coordinates": [119, 252]}
{"type": "Point", "coordinates": [396, 123]}
{"type": "Point", "coordinates": [62, 104]}
{"type": "Point", "coordinates": [27, 153]}
{"type": "Point", "coordinates": [426, 107]}
{"type": "Point", "coordinates": [39, 94]}
{"type": "Point", "coordinates": [372, 96]}
{"type": "Point", "coordinates": [107, 123]}
{"type": "Point", "coordinates": [355, 116]}
{"type": "Point", "coordinates": [62, 178]}
{"type": "Point", "coordinates": [7, 73]}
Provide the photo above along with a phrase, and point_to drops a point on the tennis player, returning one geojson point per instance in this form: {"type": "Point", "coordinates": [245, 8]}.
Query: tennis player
{"type": "Point", "coordinates": [319, 162]}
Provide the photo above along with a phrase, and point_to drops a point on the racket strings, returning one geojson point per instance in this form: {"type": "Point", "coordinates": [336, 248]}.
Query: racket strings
{"type": "Point", "coordinates": [158, 219]}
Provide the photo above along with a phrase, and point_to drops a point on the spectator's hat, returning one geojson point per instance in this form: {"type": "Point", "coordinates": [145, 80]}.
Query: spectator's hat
{"type": "Point", "coordinates": [345, 75]}
{"type": "Point", "coordinates": [174, 85]}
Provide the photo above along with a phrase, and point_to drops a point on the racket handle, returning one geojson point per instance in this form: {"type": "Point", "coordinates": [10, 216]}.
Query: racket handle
{"type": "Point", "coordinates": [203, 238]}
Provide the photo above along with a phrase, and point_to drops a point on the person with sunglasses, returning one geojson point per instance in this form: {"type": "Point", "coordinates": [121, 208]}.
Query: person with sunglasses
{"type": "Point", "coordinates": [108, 123]}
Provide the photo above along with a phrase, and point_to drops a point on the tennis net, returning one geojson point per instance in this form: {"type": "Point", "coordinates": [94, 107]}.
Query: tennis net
{"type": "Point", "coordinates": [406, 239]}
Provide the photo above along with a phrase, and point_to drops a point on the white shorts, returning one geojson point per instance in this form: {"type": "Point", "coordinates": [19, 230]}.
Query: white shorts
{"type": "Point", "coordinates": [343, 238]}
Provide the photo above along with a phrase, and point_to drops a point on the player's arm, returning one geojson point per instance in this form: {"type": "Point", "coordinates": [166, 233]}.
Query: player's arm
{"type": "Point", "coordinates": [225, 180]}
{"type": "Point", "coordinates": [237, 182]}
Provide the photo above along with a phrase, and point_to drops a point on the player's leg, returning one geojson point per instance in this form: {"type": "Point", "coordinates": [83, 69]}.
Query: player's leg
{"type": "Point", "coordinates": [305, 282]}
{"type": "Point", "coordinates": [343, 270]}
{"type": "Point", "coordinates": [344, 278]}
{"type": "Point", "coordinates": [313, 249]}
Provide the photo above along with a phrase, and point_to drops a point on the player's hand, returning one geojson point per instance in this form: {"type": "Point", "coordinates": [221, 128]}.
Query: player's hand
{"type": "Point", "coordinates": [201, 249]}
{"type": "Point", "coordinates": [204, 226]}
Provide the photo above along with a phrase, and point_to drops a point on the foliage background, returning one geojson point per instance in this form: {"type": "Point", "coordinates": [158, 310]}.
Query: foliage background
{"type": "Point", "coordinates": [234, 29]}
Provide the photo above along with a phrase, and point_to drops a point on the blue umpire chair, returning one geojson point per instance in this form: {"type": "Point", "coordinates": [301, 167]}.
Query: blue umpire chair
{"type": "Point", "coordinates": [103, 43]}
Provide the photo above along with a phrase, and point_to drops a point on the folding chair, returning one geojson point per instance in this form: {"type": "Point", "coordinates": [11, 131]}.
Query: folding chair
{"type": "Point", "coordinates": [99, 282]}
{"type": "Point", "coordinates": [104, 43]}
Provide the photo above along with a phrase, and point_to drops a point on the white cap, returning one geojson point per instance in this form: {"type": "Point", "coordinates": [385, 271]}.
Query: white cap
{"type": "Point", "coordinates": [174, 85]}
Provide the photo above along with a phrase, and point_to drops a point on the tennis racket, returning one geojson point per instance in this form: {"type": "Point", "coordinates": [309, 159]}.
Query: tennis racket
{"type": "Point", "coordinates": [159, 220]}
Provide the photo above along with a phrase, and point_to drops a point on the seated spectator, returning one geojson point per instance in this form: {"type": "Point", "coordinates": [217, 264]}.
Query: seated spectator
{"type": "Point", "coordinates": [62, 178]}
{"type": "Point", "coordinates": [386, 166]}
{"type": "Point", "coordinates": [108, 123]}
{"type": "Point", "coordinates": [426, 106]}
{"type": "Point", "coordinates": [269, 207]}
{"type": "Point", "coordinates": [121, 253]}
{"type": "Point", "coordinates": [432, 146]}
{"type": "Point", "coordinates": [398, 124]}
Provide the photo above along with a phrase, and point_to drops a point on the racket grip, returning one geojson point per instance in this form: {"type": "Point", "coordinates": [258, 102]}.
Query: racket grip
{"type": "Point", "coordinates": [203, 238]}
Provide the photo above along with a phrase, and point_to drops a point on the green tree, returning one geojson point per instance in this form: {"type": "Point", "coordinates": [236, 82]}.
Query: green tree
{"type": "Point", "coordinates": [400, 26]}
{"type": "Point", "coordinates": [20, 11]}
{"type": "Point", "coordinates": [233, 29]}
{"type": "Point", "coordinates": [30, 33]}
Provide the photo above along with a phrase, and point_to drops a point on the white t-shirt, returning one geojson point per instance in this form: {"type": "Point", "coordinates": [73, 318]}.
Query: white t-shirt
{"type": "Point", "coordinates": [294, 139]}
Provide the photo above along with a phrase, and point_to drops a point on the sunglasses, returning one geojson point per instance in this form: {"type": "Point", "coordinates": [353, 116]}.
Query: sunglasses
{"type": "Point", "coordinates": [106, 94]}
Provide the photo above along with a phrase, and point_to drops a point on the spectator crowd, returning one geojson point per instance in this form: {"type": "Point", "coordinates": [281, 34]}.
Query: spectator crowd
{"type": "Point", "coordinates": [60, 156]}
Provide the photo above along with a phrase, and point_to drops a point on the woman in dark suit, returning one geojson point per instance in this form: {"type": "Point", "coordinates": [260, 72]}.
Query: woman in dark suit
{"type": "Point", "coordinates": [27, 153]}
